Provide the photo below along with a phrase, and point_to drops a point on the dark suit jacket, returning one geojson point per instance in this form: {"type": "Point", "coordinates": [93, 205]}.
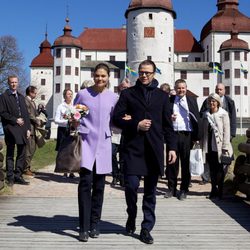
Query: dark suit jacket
{"type": "Point", "coordinates": [196, 122]}
{"type": "Point", "coordinates": [34, 122]}
{"type": "Point", "coordinates": [230, 108]}
{"type": "Point", "coordinates": [136, 143]}
{"type": "Point", "coordinates": [9, 113]}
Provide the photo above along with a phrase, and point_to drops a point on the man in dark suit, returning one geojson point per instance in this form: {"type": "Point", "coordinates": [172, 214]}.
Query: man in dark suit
{"type": "Point", "coordinates": [186, 124]}
{"type": "Point", "coordinates": [31, 93]}
{"type": "Point", "coordinates": [16, 125]}
{"type": "Point", "coordinates": [143, 113]}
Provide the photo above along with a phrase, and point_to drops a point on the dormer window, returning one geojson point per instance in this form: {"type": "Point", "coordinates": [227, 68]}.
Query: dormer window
{"type": "Point", "coordinates": [150, 16]}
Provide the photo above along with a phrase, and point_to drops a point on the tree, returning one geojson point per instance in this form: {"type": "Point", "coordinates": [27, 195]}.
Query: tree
{"type": "Point", "coordinates": [11, 62]}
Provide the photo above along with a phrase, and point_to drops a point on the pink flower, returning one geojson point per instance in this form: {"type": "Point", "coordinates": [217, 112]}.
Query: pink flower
{"type": "Point", "coordinates": [77, 115]}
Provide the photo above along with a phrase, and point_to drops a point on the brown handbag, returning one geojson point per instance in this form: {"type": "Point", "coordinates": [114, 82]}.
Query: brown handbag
{"type": "Point", "coordinates": [69, 154]}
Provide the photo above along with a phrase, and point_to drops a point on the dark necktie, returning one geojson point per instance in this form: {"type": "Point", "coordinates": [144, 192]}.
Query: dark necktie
{"type": "Point", "coordinates": [18, 105]}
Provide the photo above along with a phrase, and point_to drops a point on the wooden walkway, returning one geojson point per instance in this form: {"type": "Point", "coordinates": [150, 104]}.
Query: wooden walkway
{"type": "Point", "coordinates": [196, 223]}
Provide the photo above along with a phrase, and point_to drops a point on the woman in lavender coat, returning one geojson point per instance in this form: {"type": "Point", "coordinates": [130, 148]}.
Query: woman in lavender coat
{"type": "Point", "coordinates": [96, 150]}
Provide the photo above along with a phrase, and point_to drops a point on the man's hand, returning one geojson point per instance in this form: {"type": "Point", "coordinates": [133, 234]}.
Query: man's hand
{"type": "Point", "coordinates": [171, 157]}
{"type": "Point", "coordinates": [28, 134]}
{"type": "Point", "coordinates": [144, 125]}
{"type": "Point", "coordinates": [127, 117]}
{"type": "Point", "coordinates": [20, 121]}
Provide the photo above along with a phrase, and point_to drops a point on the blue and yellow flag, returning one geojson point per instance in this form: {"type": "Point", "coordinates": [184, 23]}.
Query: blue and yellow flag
{"type": "Point", "coordinates": [242, 69]}
{"type": "Point", "coordinates": [131, 71]}
{"type": "Point", "coordinates": [217, 68]}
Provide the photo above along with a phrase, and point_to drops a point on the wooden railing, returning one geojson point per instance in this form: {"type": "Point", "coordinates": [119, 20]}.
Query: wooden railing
{"type": "Point", "coordinates": [242, 168]}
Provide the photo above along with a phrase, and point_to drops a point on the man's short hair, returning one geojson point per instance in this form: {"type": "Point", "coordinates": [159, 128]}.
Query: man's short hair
{"type": "Point", "coordinates": [148, 62]}
{"type": "Point", "coordinates": [30, 89]}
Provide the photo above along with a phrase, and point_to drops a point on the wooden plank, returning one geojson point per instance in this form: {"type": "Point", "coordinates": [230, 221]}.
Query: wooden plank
{"type": "Point", "coordinates": [52, 223]}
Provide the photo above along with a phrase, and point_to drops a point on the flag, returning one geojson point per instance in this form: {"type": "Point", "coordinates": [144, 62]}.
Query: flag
{"type": "Point", "coordinates": [131, 71]}
{"type": "Point", "coordinates": [217, 68]}
{"type": "Point", "coordinates": [158, 71]}
{"type": "Point", "coordinates": [242, 69]}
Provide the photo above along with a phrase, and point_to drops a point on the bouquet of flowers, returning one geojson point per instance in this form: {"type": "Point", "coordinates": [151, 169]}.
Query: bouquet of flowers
{"type": "Point", "coordinates": [76, 112]}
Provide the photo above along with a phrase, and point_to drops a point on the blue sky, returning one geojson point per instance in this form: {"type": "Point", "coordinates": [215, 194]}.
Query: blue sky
{"type": "Point", "coordinates": [26, 20]}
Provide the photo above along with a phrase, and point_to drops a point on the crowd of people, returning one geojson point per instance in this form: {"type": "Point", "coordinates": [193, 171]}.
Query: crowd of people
{"type": "Point", "coordinates": [126, 134]}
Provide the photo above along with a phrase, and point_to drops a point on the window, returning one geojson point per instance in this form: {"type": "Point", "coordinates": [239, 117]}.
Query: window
{"type": "Point", "coordinates": [92, 73]}
{"type": "Point", "coordinates": [43, 81]}
{"type": "Point", "coordinates": [67, 70]}
{"type": "Point", "coordinates": [149, 32]}
{"type": "Point", "coordinates": [76, 71]}
{"type": "Point", "coordinates": [236, 73]}
{"type": "Point", "coordinates": [197, 59]}
{"type": "Point", "coordinates": [58, 70]}
{"type": "Point", "coordinates": [236, 55]}
{"type": "Point", "coordinates": [58, 53]}
{"type": "Point", "coordinates": [115, 89]}
{"type": "Point", "coordinates": [237, 90]}
{"type": "Point", "coordinates": [149, 57]}
{"type": "Point", "coordinates": [245, 90]}
{"type": "Point", "coordinates": [169, 49]}
{"type": "Point", "coordinates": [58, 88]}
{"type": "Point", "coordinates": [227, 90]}
{"type": "Point", "coordinates": [87, 58]}
{"type": "Point", "coordinates": [112, 58]}
{"type": "Point", "coordinates": [68, 52]}
{"type": "Point", "coordinates": [206, 75]}
{"type": "Point", "coordinates": [116, 73]}
{"type": "Point", "coordinates": [183, 74]}
{"type": "Point", "coordinates": [207, 53]}
{"type": "Point", "coordinates": [42, 97]}
{"type": "Point", "coordinates": [226, 56]}
{"type": "Point", "coordinates": [67, 85]}
{"type": "Point", "coordinates": [76, 88]}
{"type": "Point", "coordinates": [205, 91]}
{"type": "Point", "coordinates": [150, 16]}
{"type": "Point", "coordinates": [184, 59]}
{"type": "Point", "coordinates": [245, 75]}
{"type": "Point", "coordinates": [227, 73]}
{"type": "Point", "coordinates": [169, 59]}
{"type": "Point", "coordinates": [77, 53]}
{"type": "Point", "coordinates": [245, 56]}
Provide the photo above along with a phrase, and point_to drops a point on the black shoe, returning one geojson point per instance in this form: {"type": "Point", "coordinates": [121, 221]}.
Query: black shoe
{"type": "Point", "coordinates": [203, 182]}
{"type": "Point", "coordinates": [130, 226]}
{"type": "Point", "coordinates": [21, 181]}
{"type": "Point", "coordinates": [71, 175]}
{"type": "Point", "coordinates": [170, 194]}
{"type": "Point", "coordinates": [182, 195]}
{"type": "Point", "coordinates": [84, 236]}
{"type": "Point", "coordinates": [94, 233]}
{"type": "Point", "coordinates": [146, 237]}
{"type": "Point", "coordinates": [114, 182]}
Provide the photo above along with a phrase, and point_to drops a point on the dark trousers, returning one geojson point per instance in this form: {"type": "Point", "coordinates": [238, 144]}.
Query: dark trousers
{"type": "Point", "coordinates": [115, 168]}
{"type": "Point", "coordinates": [14, 170]}
{"type": "Point", "coordinates": [132, 183]}
{"type": "Point", "coordinates": [217, 173]}
{"type": "Point", "coordinates": [183, 153]}
{"type": "Point", "coordinates": [30, 151]}
{"type": "Point", "coordinates": [90, 199]}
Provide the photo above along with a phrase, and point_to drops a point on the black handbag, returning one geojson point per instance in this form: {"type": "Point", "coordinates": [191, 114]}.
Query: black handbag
{"type": "Point", "coordinates": [69, 154]}
{"type": "Point", "coordinates": [226, 159]}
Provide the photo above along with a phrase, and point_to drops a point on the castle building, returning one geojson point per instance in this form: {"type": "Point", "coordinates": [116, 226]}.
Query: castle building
{"type": "Point", "coordinates": [221, 55]}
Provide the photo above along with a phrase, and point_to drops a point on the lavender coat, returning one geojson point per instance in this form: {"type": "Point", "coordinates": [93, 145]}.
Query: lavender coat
{"type": "Point", "coordinates": [95, 129]}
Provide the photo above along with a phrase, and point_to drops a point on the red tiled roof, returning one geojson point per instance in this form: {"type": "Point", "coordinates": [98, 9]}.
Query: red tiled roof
{"type": "Point", "coordinates": [103, 39]}
{"type": "Point", "coordinates": [234, 43]}
{"type": "Point", "coordinates": [44, 59]}
{"type": "Point", "coordinates": [227, 15]}
{"type": "Point", "coordinates": [115, 39]}
{"type": "Point", "coordinates": [162, 4]}
{"type": "Point", "coordinates": [184, 42]}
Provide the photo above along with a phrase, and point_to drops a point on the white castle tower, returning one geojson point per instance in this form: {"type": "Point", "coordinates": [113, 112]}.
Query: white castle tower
{"type": "Point", "coordinates": [150, 35]}
{"type": "Point", "coordinates": [234, 60]}
{"type": "Point", "coordinates": [67, 64]}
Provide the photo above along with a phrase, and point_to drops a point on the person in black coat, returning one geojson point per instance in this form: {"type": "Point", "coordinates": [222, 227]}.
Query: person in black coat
{"type": "Point", "coordinates": [143, 113]}
{"type": "Point", "coordinates": [186, 123]}
{"type": "Point", "coordinates": [16, 125]}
